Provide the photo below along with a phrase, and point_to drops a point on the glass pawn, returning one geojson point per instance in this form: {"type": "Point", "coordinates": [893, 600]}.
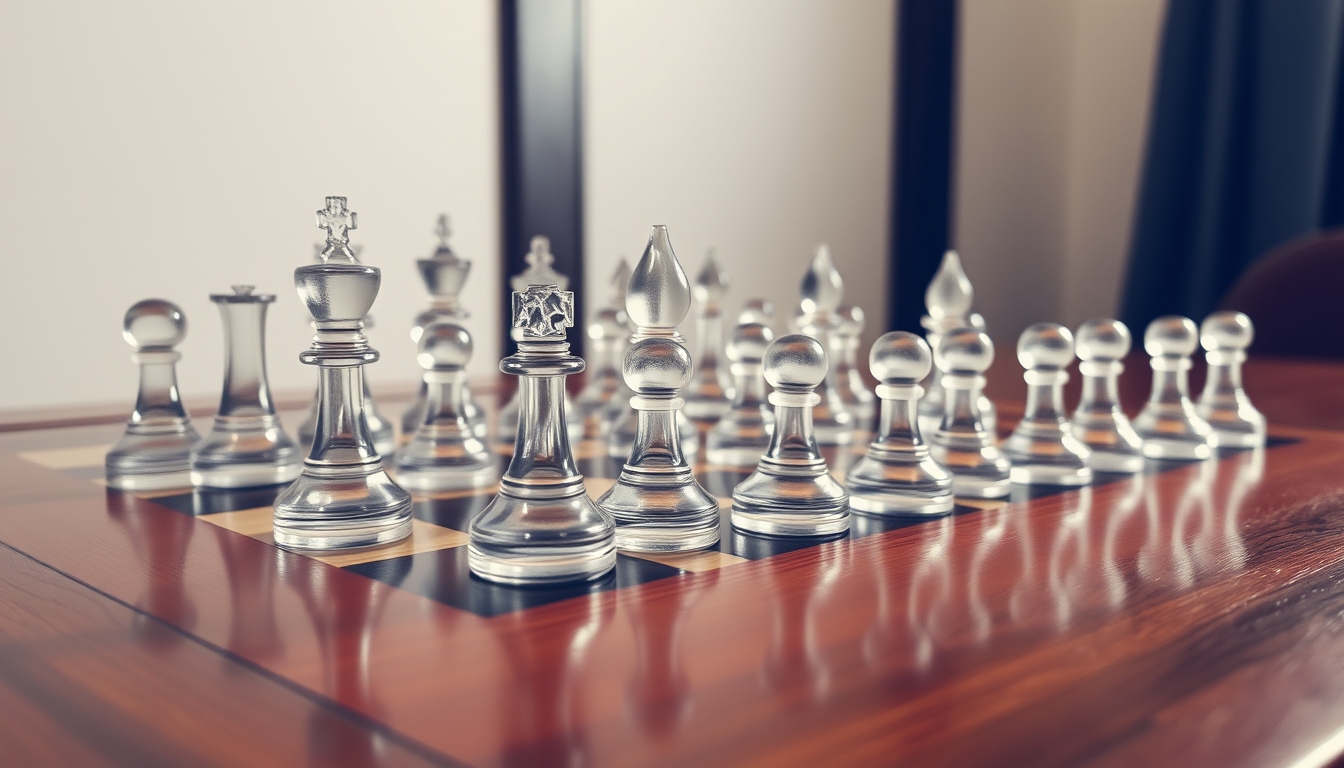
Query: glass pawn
{"type": "Point", "coordinates": [247, 446]}
{"type": "Point", "coordinates": [854, 392]}
{"type": "Point", "coordinates": [608, 334]}
{"type": "Point", "coordinates": [541, 528]}
{"type": "Point", "coordinates": [1099, 422]}
{"type": "Point", "coordinates": [656, 502]}
{"type": "Point", "coordinates": [710, 393]}
{"type": "Point", "coordinates": [343, 498]}
{"type": "Point", "coordinates": [1169, 425]}
{"type": "Point", "coordinates": [443, 274]}
{"type": "Point", "coordinates": [445, 454]}
{"type": "Point", "coordinates": [757, 311]}
{"type": "Point", "coordinates": [1042, 448]}
{"type": "Point", "coordinates": [898, 476]}
{"type": "Point", "coordinates": [962, 442]}
{"type": "Point", "coordinates": [822, 290]}
{"type": "Point", "coordinates": [154, 453]}
{"type": "Point", "coordinates": [792, 493]}
{"type": "Point", "coordinates": [740, 438]}
{"type": "Point", "coordinates": [1224, 405]}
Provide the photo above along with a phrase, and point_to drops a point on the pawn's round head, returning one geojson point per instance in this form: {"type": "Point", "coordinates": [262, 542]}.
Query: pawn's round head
{"type": "Point", "coordinates": [657, 366]}
{"type": "Point", "coordinates": [1170, 336]}
{"type": "Point", "coordinates": [1045, 346]}
{"type": "Point", "coordinates": [608, 324]}
{"type": "Point", "coordinates": [900, 358]}
{"type": "Point", "coordinates": [154, 324]}
{"type": "Point", "coordinates": [964, 350]}
{"type": "Point", "coordinates": [795, 363]}
{"type": "Point", "coordinates": [757, 311]}
{"type": "Point", "coordinates": [1103, 340]}
{"type": "Point", "coordinates": [851, 321]}
{"type": "Point", "coordinates": [444, 346]}
{"type": "Point", "coordinates": [1226, 330]}
{"type": "Point", "coordinates": [749, 342]}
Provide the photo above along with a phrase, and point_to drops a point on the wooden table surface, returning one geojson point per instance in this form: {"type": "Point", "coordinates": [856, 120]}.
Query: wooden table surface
{"type": "Point", "coordinates": [1192, 617]}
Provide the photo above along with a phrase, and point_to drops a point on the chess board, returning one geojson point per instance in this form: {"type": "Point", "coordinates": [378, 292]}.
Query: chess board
{"type": "Point", "coordinates": [1063, 617]}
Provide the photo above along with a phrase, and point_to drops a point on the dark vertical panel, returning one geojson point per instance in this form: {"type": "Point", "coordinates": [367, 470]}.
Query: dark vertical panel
{"type": "Point", "coordinates": [921, 195]}
{"type": "Point", "coordinates": [542, 140]}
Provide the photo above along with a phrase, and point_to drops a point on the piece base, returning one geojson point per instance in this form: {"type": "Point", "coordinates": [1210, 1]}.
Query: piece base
{"type": "Point", "coordinates": [523, 566]}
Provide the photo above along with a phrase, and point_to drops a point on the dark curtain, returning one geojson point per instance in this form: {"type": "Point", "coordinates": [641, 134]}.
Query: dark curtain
{"type": "Point", "coordinates": [1243, 148]}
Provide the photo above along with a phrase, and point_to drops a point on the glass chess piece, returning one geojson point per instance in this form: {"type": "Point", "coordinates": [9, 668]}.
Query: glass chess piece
{"type": "Point", "coordinates": [445, 454]}
{"type": "Point", "coordinates": [757, 311]}
{"type": "Point", "coordinates": [740, 438]}
{"type": "Point", "coordinates": [656, 502]}
{"type": "Point", "coordinates": [1225, 336]}
{"type": "Point", "coordinates": [1169, 425]}
{"type": "Point", "coordinates": [443, 274]}
{"type": "Point", "coordinates": [822, 290]}
{"type": "Point", "coordinates": [853, 389]}
{"type": "Point", "coordinates": [710, 393]}
{"type": "Point", "coordinates": [898, 476]}
{"type": "Point", "coordinates": [962, 443]}
{"type": "Point", "coordinates": [1042, 448]}
{"type": "Point", "coordinates": [541, 527]}
{"type": "Point", "coordinates": [343, 498]}
{"type": "Point", "coordinates": [154, 452]}
{"type": "Point", "coordinates": [792, 493]}
{"type": "Point", "coordinates": [948, 301]}
{"type": "Point", "coordinates": [248, 446]}
{"type": "Point", "coordinates": [1099, 422]}
{"type": "Point", "coordinates": [608, 334]}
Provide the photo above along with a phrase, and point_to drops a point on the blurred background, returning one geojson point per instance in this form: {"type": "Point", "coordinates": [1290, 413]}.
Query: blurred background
{"type": "Point", "coordinates": [1087, 158]}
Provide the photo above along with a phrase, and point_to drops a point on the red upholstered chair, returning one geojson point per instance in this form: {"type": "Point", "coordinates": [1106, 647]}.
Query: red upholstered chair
{"type": "Point", "coordinates": [1295, 297]}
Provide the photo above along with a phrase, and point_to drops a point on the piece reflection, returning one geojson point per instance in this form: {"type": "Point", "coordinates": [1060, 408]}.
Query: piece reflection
{"type": "Point", "coordinates": [659, 693]}
{"type": "Point", "coordinates": [160, 539]}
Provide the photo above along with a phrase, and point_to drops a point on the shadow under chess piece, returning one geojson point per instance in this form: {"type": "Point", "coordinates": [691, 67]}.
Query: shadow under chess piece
{"type": "Point", "coordinates": [853, 389]}
{"type": "Point", "coordinates": [1099, 423]}
{"type": "Point", "coordinates": [343, 498]}
{"type": "Point", "coordinates": [897, 476]}
{"type": "Point", "coordinates": [792, 493]}
{"type": "Point", "coordinates": [656, 502]}
{"type": "Point", "coordinates": [154, 452]}
{"type": "Point", "coordinates": [740, 438]}
{"type": "Point", "coordinates": [963, 443]}
{"type": "Point", "coordinates": [709, 394]}
{"type": "Point", "coordinates": [1169, 424]}
{"type": "Point", "coordinates": [247, 446]}
{"type": "Point", "coordinates": [1042, 448]}
{"type": "Point", "coordinates": [822, 291]}
{"type": "Point", "coordinates": [541, 528]}
{"type": "Point", "coordinates": [445, 454]}
{"type": "Point", "coordinates": [608, 335]}
{"type": "Point", "coordinates": [1224, 405]}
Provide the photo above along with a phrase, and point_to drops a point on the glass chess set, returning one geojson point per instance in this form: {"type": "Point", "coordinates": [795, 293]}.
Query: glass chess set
{"type": "Point", "coordinates": [921, 444]}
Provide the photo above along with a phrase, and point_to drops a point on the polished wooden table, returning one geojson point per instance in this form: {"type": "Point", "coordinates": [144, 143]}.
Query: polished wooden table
{"type": "Point", "coordinates": [1191, 616]}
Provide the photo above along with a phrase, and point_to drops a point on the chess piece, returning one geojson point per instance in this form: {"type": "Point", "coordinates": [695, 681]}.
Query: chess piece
{"type": "Point", "coordinates": [740, 438]}
{"type": "Point", "coordinates": [853, 389]}
{"type": "Point", "coordinates": [1099, 422]}
{"type": "Point", "coordinates": [948, 301]}
{"type": "Point", "coordinates": [1042, 448]}
{"type": "Point", "coordinates": [792, 493]}
{"type": "Point", "coordinates": [710, 393]}
{"type": "Point", "coordinates": [443, 274]}
{"type": "Point", "coordinates": [897, 476]}
{"type": "Point", "coordinates": [541, 528]}
{"type": "Point", "coordinates": [757, 311]}
{"type": "Point", "coordinates": [154, 452]}
{"type": "Point", "coordinates": [962, 442]}
{"type": "Point", "coordinates": [247, 446]}
{"type": "Point", "coordinates": [445, 454]}
{"type": "Point", "coordinates": [539, 272]}
{"type": "Point", "coordinates": [822, 290]}
{"type": "Point", "coordinates": [656, 502]}
{"type": "Point", "coordinates": [1224, 404]}
{"type": "Point", "coordinates": [343, 498]}
{"type": "Point", "coordinates": [608, 334]}
{"type": "Point", "coordinates": [1169, 425]}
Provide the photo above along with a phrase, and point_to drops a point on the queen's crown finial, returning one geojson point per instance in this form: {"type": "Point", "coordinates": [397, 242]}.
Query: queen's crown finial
{"type": "Point", "coordinates": [337, 220]}
{"type": "Point", "coordinates": [543, 312]}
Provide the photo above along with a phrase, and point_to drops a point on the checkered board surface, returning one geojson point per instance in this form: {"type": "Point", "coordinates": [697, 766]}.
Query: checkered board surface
{"type": "Point", "coordinates": [432, 562]}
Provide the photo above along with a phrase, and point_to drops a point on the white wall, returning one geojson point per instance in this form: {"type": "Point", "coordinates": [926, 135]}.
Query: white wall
{"type": "Point", "coordinates": [1053, 115]}
{"type": "Point", "coordinates": [171, 149]}
{"type": "Point", "coordinates": [757, 127]}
